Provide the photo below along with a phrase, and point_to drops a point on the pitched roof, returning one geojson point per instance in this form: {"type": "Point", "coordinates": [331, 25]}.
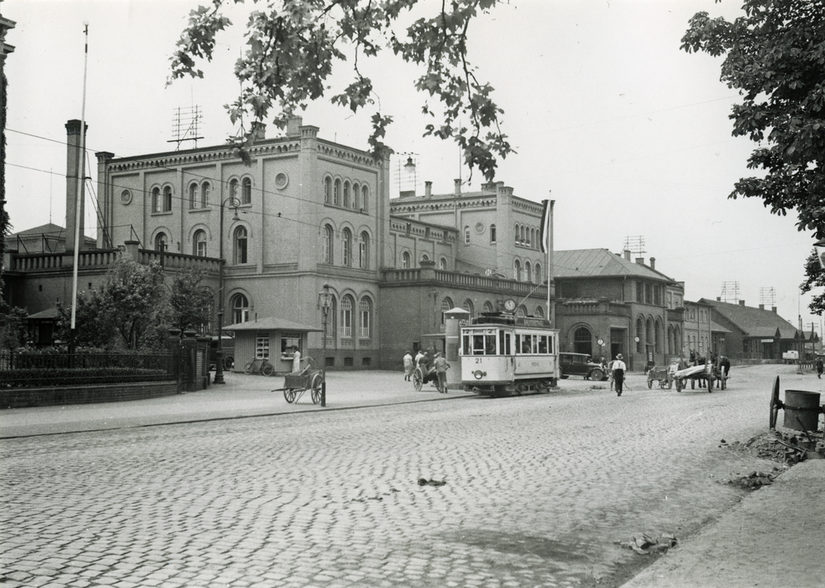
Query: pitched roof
{"type": "Point", "coordinates": [755, 322]}
{"type": "Point", "coordinates": [271, 323]}
{"type": "Point", "coordinates": [590, 263]}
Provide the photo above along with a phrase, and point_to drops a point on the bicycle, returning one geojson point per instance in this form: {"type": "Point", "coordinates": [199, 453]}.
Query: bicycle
{"type": "Point", "coordinates": [259, 366]}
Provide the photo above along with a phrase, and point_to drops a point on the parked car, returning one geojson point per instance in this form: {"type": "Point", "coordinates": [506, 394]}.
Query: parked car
{"type": "Point", "coordinates": [580, 364]}
{"type": "Point", "coordinates": [228, 348]}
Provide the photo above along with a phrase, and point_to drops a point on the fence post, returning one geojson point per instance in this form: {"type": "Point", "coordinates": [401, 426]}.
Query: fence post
{"type": "Point", "coordinates": [174, 357]}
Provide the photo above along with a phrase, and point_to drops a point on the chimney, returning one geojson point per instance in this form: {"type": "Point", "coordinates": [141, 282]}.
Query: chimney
{"type": "Point", "coordinates": [457, 183]}
{"type": "Point", "coordinates": [428, 188]}
{"type": "Point", "coordinates": [741, 303]}
{"type": "Point", "coordinates": [761, 307]}
{"type": "Point", "coordinates": [773, 309]}
{"type": "Point", "coordinates": [718, 299]}
{"type": "Point", "coordinates": [258, 131]}
{"type": "Point", "coordinates": [640, 260]}
{"type": "Point", "coordinates": [627, 254]}
{"type": "Point", "coordinates": [73, 168]}
{"type": "Point", "coordinates": [293, 126]}
{"type": "Point", "coordinates": [653, 263]}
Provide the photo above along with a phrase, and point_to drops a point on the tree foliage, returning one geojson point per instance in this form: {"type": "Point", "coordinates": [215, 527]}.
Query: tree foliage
{"type": "Point", "coordinates": [94, 326]}
{"type": "Point", "coordinates": [774, 56]}
{"type": "Point", "coordinates": [814, 278]}
{"type": "Point", "coordinates": [190, 301]}
{"type": "Point", "coordinates": [294, 46]}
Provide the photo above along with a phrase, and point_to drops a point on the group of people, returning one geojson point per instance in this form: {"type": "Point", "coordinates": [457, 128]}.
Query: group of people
{"type": "Point", "coordinates": [433, 369]}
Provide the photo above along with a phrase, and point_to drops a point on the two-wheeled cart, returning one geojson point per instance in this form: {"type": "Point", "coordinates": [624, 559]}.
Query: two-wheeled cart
{"type": "Point", "coordinates": [296, 384]}
{"type": "Point", "coordinates": [702, 372]}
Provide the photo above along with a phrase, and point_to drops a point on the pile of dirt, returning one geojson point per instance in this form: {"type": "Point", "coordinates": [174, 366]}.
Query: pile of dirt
{"type": "Point", "coordinates": [754, 480]}
{"type": "Point", "coordinates": [778, 446]}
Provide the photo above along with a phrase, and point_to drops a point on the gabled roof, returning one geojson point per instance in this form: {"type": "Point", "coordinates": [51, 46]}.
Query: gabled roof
{"type": "Point", "coordinates": [591, 263]}
{"type": "Point", "coordinates": [271, 323]}
{"type": "Point", "coordinates": [47, 229]}
{"type": "Point", "coordinates": [754, 322]}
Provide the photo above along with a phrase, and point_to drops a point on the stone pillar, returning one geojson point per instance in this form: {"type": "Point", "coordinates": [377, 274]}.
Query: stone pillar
{"type": "Point", "coordinates": [454, 319]}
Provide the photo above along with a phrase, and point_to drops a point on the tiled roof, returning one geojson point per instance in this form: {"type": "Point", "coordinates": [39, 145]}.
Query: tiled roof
{"type": "Point", "coordinates": [589, 263]}
{"type": "Point", "coordinates": [755, 322]}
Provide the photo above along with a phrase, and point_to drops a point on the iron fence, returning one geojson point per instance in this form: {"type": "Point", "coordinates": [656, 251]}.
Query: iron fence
{"type": "Point", "coordinates": [28, 360]}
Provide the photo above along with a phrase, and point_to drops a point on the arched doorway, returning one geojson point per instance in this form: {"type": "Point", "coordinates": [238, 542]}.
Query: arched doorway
{"type": "Point", "coordinates": [583, 341]}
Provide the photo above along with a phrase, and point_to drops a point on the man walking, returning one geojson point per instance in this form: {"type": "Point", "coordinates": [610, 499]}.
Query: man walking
{"type": "Point", "coordinates": [408, 366]}
{"type": "Point", "coordinates": [441, 367]}
{"type": "Point", "coordinates": [619, 368]}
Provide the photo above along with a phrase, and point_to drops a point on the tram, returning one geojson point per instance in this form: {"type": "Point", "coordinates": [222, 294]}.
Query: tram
{"type": "Point", "coordinates": [502, 354]}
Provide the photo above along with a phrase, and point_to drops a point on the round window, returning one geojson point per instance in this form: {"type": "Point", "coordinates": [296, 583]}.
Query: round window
{"type": "Point", "coordinates": [281, 180]}
{"type": "Point", "coordinates": [125, 197]}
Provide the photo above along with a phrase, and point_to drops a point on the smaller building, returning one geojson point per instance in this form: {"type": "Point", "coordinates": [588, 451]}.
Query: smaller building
{"type": "Point", "coordinates": [272, 339]}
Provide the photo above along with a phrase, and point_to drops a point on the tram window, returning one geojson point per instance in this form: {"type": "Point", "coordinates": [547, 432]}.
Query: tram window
{"type": "Point", "coordinates": [465, 345]}
{"type": "Point", "coordinates": [484, 345]}
{"type": "Point", "coordinates": [543, 344]}
{"type": "Point", "coordinates": [534, 341]}
{"type": "Point", "coordinates": [525, 344]}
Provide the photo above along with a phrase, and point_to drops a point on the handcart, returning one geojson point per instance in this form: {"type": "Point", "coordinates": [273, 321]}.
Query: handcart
{"type": "Point", "coordinates": [662, 375]}
{"type": "Point", "coordinates": [295, 384]}
{"type": "Point", "coordinates": [702, 372]}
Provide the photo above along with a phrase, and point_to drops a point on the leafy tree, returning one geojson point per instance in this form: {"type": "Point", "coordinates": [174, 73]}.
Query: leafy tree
{"type": "Point", "coordinates": [814, 278]}
{"type": "Point", "coordinates": [294, 46]}
{"type": "Point", "coordinates": [774, 56]}
{"type": "Point", "coordinates": [133, 297]}
{"type": "Point", "coordinates": [11, 326]}
{"type": "Point", "coordinates": [191, 301]}
{"type": "Point", "coordinates": [94, 326]}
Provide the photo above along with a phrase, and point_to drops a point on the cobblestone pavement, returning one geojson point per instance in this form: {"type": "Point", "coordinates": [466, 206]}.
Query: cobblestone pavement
{"type": "Point", "coordinates": [538, 490]}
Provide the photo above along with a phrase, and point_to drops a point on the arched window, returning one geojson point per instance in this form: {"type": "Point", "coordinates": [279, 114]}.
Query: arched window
{"type": "Point", "coordinates": [206, 187]}
{"type": "Point", "coordinates": [425, 257]}
{"type": "Point", "coordinates": [327, 235]}
{"type": "Point", "coordinates": [540, 311]}
{"type": "Point", "coordinates": [528, 272]}
{"type": "Point", "coordinates": [239, 240]}
{"type": "Point", "coordinates": [365, 318]}
{"type": "Point", "coordinates": [521, 311]}
{"type": "Point", "coordinates": [640, 332]}
{"type": "Point", "coordinates": [167, 198]}
{"type": "Point", "coordinates": [649, 341]}
{"type": "Point", "coordinates": [517, 270]}
{"type": "Point", "coordinates": [468, 306]}
{"type": "Point", "coordinates": [246, 191]}
{"type": "Point", "coordinates": [332, 327]}
{"type": "Point", "coordinates": [356, 196]}
{"type": "Point", "coordinates": [199, 243]}
{"type": "Point", "coordinates": [336, 193]}
{"type": "Point", "coordinates": [346, 316]}
{"type": "Point", "coordinates": [518, 235]}
{"type": "Point", "coordinates": [347, 200]}
{"type": "Point", "coordinates": [492, 233]}
{"type": "Point", "coordinates": [446, 304]}
{"type": "Point", "coordinates": [161, 244]}
{"type": "Point", "coordinates": [583, 341]}
{"type": "Point", "coordinates": [156, 203]}
{"type": "Point", "coordinates": [240, 308]}
{"type": "Point", "coordinates": [233, 188]}
{"type": "Point", "coordinates": [365, 198]}
{"type": "Point", "coordinates": [364, 251]}
{"type": "Point", "coordinates": [405, 260]}
{"type": "Point", "coordinates": [538, 273]}
{"type": "Point", "coordinates": [657, 333]}
{"type": "Point", "coordinates": [442, 263]}
{"type": "Point", "coordinates": [488, 306]}
{"type": "Point", "coordinates": [346, 243]}
{"type": "Point", "coordinates": [193, 195]}
{"type": "Point", "coordinates": [327, 190]}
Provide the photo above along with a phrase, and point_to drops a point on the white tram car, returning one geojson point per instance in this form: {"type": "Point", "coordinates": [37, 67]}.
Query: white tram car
{"type": "Point", "coordinates": [504, 354]}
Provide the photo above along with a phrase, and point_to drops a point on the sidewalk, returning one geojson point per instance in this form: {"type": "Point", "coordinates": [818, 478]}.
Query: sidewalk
{"type": "Point", "coordinates": [774, 537]}
{"type": "Point", "coordinates": [242, 396]}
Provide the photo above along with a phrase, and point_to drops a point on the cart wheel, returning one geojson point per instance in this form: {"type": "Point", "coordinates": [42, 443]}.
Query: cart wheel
{"type": "Point", "coordinates": [649, 383]}
{"type": "Point", "coordinates": [774, 404]}
{"type": "Point", "coordinates": [679, 385]}
{"type": "Point", "coordinates": [669, 384]}
{"type": "Point", "coordinates": [597, 375]}
{"type": "Point", "coordinates": [317, 381]}
{"type": "Point", "coordinates": [418, 379]}
{"type": "Point", "coordinates": [289, 395]}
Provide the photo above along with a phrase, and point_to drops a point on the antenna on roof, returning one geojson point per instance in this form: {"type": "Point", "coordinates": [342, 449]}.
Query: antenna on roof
{"type": "Point", "coordinates": [767, 296]}
{"type": "Point", "coordinates": [635, 244]}
{"type": "Point", "coordinates": [730, 291]}
{"type": "Point", "coordinates": [185, 125]}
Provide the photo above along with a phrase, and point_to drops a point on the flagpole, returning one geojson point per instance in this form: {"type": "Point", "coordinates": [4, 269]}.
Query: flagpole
{"type": "Point", "coordinates": [551, 297]}
{"type": "Point", "coordinates": [80, 178]}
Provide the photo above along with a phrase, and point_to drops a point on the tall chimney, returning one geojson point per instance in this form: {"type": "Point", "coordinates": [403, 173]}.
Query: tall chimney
{"type": "Point", "coordinates": [653, 263]}
{"type": "Point", "coordinates": [773, 309]}
{"type": "Point", "coordinates": [761, 307]}
{"type": "Point", "coordinates": [627, 254]}
{"type": "Point", "coordinates": [457, 183]}
{"type": "Point", "coordinates": [640, 260]}
{"type": "Point", "coordinates": [74, 168]}
{"type": "Point", "coordinates": [293, 126]}
{"type": "Point", "coordinates": [428, 188]}
{"type": "Point", "coordinates": [741, 303]}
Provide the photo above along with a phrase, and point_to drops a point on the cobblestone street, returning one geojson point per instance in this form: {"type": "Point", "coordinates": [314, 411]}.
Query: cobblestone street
{"type": "Point", "coordinates": [537, 492]}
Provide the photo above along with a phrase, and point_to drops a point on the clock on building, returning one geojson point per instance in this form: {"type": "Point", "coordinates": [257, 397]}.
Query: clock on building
{"type": "Point", "coordinates": [509, 305]}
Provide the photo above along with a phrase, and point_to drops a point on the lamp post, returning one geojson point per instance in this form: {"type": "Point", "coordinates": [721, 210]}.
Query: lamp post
{"type": "Point", "coordinates": [219, 350]}
{"type": "Point", "coordinates": [323, 302]}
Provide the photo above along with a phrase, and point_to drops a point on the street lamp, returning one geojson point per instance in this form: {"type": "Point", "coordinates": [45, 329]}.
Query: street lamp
{"type": "Point", "coordinates": [235, 203]}
{"type": "Point", "coordinates": [324, 304]}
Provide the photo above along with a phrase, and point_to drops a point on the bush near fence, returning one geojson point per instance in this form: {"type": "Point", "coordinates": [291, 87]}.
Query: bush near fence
{"type": "Point", "coordinates": [39, 378]}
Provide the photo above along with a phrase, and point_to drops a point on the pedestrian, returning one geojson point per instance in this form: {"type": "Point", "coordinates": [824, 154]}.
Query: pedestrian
{"type": "Point", "coordinates": [296, 360]}
{"type": "Point", "coordinates": [419, 354]}
{"type": "Point", "coordinates": [619, 368]}
{"type": "Point", "coordinates": [819, 367]}
{"type": "Point", "coordinates": [610, 373]}
{"type": "Point", "coordinates": [408, 366]}
{"type": "Point", "coordinates": [441, 367]}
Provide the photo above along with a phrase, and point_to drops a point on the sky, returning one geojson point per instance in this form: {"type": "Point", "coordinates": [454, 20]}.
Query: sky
{"type": "Point", "coordinates": [627, 133]}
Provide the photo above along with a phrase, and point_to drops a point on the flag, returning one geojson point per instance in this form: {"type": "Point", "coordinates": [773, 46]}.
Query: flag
{"type": "Point", "coordinates": [545, 226]}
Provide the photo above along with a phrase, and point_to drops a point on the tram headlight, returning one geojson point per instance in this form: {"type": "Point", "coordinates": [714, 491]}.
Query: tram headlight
{"type": "Point", "coordinates": [478, 374]}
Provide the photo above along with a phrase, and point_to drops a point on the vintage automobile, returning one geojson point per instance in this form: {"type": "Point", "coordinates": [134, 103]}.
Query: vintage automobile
{"type": "Point", "coordinates": [580, 364]}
